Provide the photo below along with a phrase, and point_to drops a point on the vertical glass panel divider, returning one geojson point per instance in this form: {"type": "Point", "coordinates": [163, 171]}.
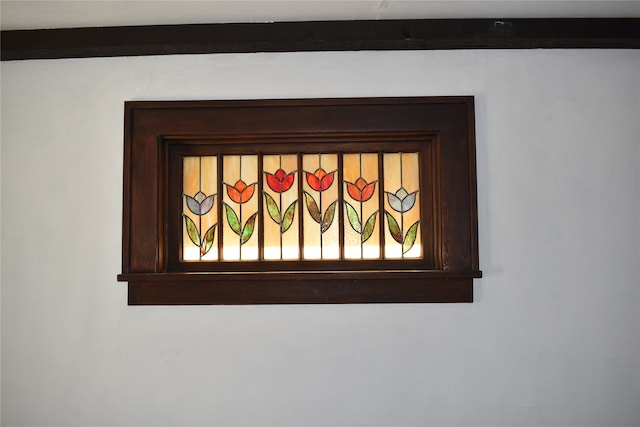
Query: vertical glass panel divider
{"type": "Point", "coordinates": [321, 207]}
{"type": "Point", "coordinates": [381, 215]}
{"type": "Point", "coordinates": [341, 205]}
{"type": "Point", "coordinates": [260, 195]}
{"type": "Point", "coordinates": [221, 217]}
{"type": "Point", "coordinates": [421, 172]}
{"type": "Point", "coordinates": [299, 186]}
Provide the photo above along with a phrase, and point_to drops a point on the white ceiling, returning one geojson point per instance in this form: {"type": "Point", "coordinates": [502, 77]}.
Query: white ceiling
{"type": "Point", "coordinates": [28, 14]}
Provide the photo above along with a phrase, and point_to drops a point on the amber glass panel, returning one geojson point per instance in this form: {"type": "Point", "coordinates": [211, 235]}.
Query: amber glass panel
{"type": "Point", "coordinates": [402, 205]}
{"type": "Point", "coordinates": [240, 208]}
{"type": "Point", "coordinates": [200, 219]}
{"type": "Point", "coordinates": [321, 237]}
{"type": "Point", "coordinates": [281, 225]}
{"type": "Point", "coordinates": [361, 206]}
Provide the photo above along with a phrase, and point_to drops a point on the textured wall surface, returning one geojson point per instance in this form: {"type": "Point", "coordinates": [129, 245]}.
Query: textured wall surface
{"type": "Point", "coordinates": [552, 339]}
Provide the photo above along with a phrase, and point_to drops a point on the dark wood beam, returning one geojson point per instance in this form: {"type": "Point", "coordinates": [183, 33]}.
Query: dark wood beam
{"type": "Point", "coordinates": [605, 33]}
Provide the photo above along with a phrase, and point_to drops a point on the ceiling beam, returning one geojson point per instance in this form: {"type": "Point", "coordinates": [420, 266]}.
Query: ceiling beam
{"type": "Point", "coordinates": [418, 34]}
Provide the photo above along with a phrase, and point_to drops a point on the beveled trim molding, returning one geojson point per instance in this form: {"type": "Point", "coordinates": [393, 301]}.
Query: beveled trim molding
{"type": "Point", "coordinates": [411, 34]}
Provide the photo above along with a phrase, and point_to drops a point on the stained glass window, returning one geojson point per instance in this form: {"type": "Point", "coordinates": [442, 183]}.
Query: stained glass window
{"type": "Point", "coordinates": [300, 201]}
{"type": "Point", "coordinates": [324, 206]}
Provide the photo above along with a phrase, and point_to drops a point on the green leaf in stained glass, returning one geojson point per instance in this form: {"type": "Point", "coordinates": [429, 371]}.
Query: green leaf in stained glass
{"type": "Point", "coordinates": [329, 214]}
{"type": "Point", "coordinates": [192, 230]}
{"type": "Point", "coordinates": [288, 217]}
{"type": "Point", "coordinates": [369, 227]}
{"type": "Point", "coordinates": [410, 237]}
{"type": "Point", "coordinates": [249, 226]}
{"type": "Point", "coordinates": [272, 208]}
{"type": "Point", "coordinates": [232, 219]}
{"type": "Point", "coordinates": [312, 207]}
{"type": "Point", "coordinates": [394, 228]}
{"type": "Point", "coordinates": [354, 220]}
{"type": "Point", "coordinates": [209, 236]}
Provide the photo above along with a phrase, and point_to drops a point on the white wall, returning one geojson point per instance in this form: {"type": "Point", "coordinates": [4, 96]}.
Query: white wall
{"type": "Point", "coordinates": [552, 339]}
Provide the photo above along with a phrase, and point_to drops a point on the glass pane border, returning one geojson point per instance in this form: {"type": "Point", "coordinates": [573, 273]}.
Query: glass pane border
{"type": "Point", "coordinates": [156, 132]}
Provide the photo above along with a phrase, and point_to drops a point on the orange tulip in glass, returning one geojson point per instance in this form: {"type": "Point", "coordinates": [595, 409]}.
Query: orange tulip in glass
{"type": "Point", "coordinates": [240, 192]}
{"type": "Point", "coordinates": [360, 190]}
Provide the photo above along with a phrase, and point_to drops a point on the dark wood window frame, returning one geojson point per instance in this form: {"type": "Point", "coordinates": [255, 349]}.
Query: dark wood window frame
{"type": "Point", "coordinates": [156, 133]}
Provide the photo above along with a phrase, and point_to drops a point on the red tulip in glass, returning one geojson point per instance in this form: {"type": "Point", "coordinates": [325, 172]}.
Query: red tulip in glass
{"type": "Point", "coordinates": [280, 181]}
{"type": "Point", "coordinates": [320, 180]}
